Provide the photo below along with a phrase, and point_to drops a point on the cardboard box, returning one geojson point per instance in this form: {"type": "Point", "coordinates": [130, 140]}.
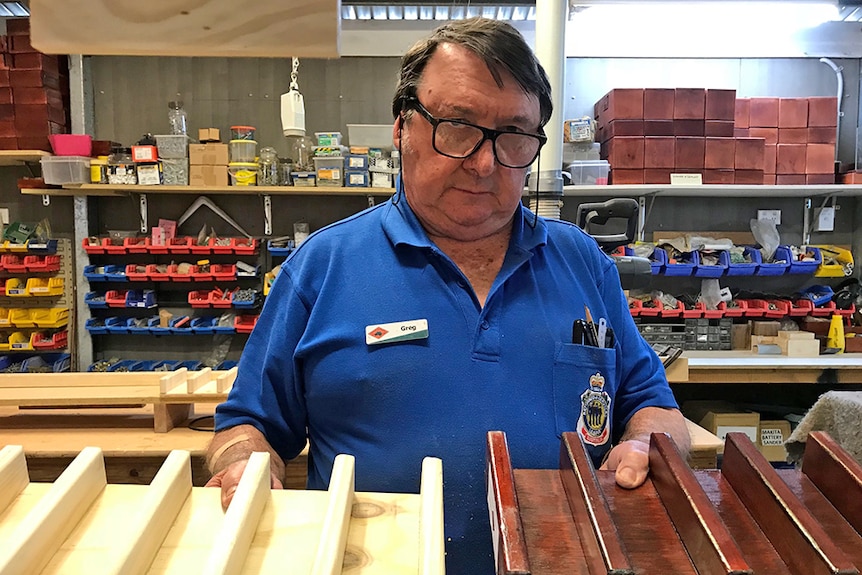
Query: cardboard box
{"type": "Point", "coordinates": [721, 418]}
{"type": "Point", "coordinates": [208, 155]}
{"type": "Point", "coordinates": [209, 135]}
{"type": "Point", "coordinates": [773, 434]}
{"type": "Point", "coordinates": [689, 104]}
{"type": "Point", "coordinates": [768, 328]}
{"type": "Point", "coordinates": [741, 111]}
{"type": "Point", "coordinates": [205, 175]}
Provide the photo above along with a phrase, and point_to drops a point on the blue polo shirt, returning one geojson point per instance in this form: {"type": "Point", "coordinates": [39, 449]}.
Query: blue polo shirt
{"type": "Point", "coordinates": [307, 372]}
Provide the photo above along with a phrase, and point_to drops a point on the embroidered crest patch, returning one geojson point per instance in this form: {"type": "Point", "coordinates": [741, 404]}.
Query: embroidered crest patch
{"type": "Point", "coordinates": [594, 423]}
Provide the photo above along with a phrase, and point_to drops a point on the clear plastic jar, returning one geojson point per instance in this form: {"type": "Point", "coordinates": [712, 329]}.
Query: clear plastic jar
{"type": "Point", "coordinates": [177, 118]}
{"type": "Point", "coordinates": [121, 168]}
{"type": "Point", "coordinates": [303, 152]}
{"type": "Point", "coordinates": [267, 167]}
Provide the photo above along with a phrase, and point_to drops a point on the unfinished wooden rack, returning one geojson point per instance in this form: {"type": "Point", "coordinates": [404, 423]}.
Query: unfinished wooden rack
{"type": "Point", "coordinates": [172, 394]}
{"type": "Point", "coordinates": [746, 519]}
{"type": "Point", "coordinates": [79, 524]}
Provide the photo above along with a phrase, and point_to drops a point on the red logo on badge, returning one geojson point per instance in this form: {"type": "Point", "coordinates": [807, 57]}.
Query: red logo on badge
{"type": "Point", "coordinates": [377, 332]}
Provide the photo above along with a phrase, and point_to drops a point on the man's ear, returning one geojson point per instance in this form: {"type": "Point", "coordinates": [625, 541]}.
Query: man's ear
{"type": "Point", "coordinates": [396, 132]}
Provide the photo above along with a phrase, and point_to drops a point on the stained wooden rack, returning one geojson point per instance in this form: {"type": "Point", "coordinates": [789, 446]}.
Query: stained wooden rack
{"type": "Point", "coordinates": [80, 524]}
{"type": "Point", "coordinates": [746, 519]}
{"type": "Point", "coordinates": [172, 394]}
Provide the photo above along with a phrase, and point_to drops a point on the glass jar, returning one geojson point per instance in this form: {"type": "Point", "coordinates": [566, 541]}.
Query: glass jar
{"type": "Point", "coordinates": [177, 118]}
{"type": "Point", "coordinates": [121, 168]}
{"type": "Point", "coordinates": [303, 152]}
{"type": "Point", "coordinates": [267, 167]}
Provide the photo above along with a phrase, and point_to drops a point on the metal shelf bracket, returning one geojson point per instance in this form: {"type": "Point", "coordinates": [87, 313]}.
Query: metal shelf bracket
{"type": "Point", "coordinates": [144, 223]}
{"type": "Point", "coordinates": [267, 215]}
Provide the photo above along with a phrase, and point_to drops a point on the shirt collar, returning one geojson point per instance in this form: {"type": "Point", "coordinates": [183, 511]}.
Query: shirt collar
{"type": "Point", "coordinates": [401, 226]}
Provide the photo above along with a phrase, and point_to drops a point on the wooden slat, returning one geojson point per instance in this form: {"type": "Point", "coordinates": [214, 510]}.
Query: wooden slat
{"type": "Point", "coordinates": [275, 28]}
{"type": "Point", "coordinates": [705, 536]}
{"type": "Point", "coordinates": [224, 382]}
{"type": "Point", "coordinates": [836, 474]}
{"type": "Point", "coordinates": [507, 530]}
{"type": "Point", "coordinates": [432, 555]}
{"type": "Point", "coordinates": [231, 544]}
{"type": "Point", "coordinates": [802, 543]}
{"type": "Point", "coordinates": [13, 474]}
{"type": "Point", "coordinates": [165, 497]}
{"type": "Point", "coordinates": [79, 396]}
{"type": "Point", "coordinates": [603, 547]}
{"type": "Point", "coordinates": [71, 380]}
{"type": "Point", "coordinates": [197, 380]}
{"type": "Point", "coordinates": [330, 550]}
{"type": "Point", "coordinates": [57, 513]}
{"type": "Point", "coordinates": [174, 382]}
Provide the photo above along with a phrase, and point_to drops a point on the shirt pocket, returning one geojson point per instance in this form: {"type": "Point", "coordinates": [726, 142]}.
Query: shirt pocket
{"type": "Point", "coordinates": [585, 381]}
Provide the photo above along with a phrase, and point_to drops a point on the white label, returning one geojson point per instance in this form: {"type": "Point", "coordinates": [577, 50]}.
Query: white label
{"type": "Point", "coordinates": [686, 179]}
{"type": "Point", "coordinates": [399, 331]}
{"type": "Point", "coordinates": [722, 430]}
{"type": "Point", "coordinates": [771, 436]}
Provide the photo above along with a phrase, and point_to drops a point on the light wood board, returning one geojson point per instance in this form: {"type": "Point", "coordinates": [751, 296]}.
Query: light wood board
{"type": "Point", "coordinates": [264, 29]}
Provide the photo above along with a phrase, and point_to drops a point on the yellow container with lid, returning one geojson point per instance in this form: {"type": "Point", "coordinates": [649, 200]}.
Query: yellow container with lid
{"type": "Point", "coordinates": [99, 170]}
{"type": "Point", "coordinates": [242, 173]}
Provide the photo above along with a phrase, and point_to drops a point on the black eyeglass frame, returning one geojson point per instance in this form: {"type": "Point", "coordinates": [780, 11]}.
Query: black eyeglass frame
{"type": "Point", "coordinates": [487, 134]}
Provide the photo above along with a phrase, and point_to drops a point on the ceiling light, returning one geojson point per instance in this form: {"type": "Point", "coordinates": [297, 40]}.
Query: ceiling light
{"type": "Point", "coordinates": [489, 11]}
{"type": "Point", "coordinates": [426, 12]}
{"type": "Point", "coordinates": [457, 12]}
{"type": "Point", "coordinates": [473, 11]}
{"type": "Point", "coordinates": [441, 12]}
{"type": "Point", "coordinates": [396, 12]}
{"type": "Point", "coordinates": [504, 13]}
{"type": "Point", "coordinates": [520, 13]}
{"type": "Point", "coordinates": [348, 13]}
{"type": "Point", "coordinates": [363, 12]}
{"type": "Point", "coordinates": [378, 12]}
{"type": "Point", "coordinates": [411, 13]}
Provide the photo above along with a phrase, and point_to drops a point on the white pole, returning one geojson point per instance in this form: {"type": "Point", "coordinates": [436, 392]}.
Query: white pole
{"type": "Point", "coordinates": [551, 18]}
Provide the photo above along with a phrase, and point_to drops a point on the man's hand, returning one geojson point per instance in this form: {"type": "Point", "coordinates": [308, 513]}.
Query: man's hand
{"type": "Point", "coordinates": [630, 460]}
{"type": "Point", "coordinates": [228, 479]}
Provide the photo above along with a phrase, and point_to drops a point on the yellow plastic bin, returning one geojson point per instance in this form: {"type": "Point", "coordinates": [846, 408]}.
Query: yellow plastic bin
{"type": "Point", "coordinates": [840, 262]}
{"type": "Point", "coordinates": [4, 317]}
{"type": "Point", "coordinates": [50, 317]}
{"type": "Point", "coordinates": [45, 286]}
{"type": "Point", "coordinates": [242, 173]}
{"type": "Point", "coordinates": [16, 287]}
{"type": "Point", "coordinates": [20, 341]}
{"type": "Point", "coordinates": [21, 318]}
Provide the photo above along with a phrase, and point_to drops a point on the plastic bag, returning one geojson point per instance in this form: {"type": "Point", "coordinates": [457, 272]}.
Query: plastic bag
{"type": "Point", "coordinates": [710, 293]}
{"type": "Point", "coordinates": [766, 234]}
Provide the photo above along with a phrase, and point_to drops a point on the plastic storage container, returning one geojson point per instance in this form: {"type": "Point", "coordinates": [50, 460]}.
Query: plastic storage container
{"type": "Point", "coordinates": [242, 151]}
{"type": "Point", "coordinates": [172, 146]}
{"type": "Point", "coordinates": [121, 168]}
{"type": "Point", "coordinates": [328, 138]}
{"type": "Point", "coordinates": [589, 172]}
{"type": "Point", "coordinates": [267, 167]}
{"type": "Point", "coordinates": [59, 170]}
{"type": "Point", "coordinates": [242, 173]}
{"type": "Point", "coordinates": [177, 119]}
{"type": "Point", "coordinates": [71, 144]}
{"type": "Point", "coordinates": [329, 170]}
{"type": "Point", "coordinates": [242, 132]}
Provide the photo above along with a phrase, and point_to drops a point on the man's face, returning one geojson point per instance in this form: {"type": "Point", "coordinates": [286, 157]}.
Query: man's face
{"type": "Point", "coordinates": [471, 198]}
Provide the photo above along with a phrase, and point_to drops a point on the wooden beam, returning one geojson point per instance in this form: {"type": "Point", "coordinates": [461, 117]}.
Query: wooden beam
{"type": "Point", "coordinates": [13, 474]}
{"type": "Point", "coordinates": [199, 379]}
{"type": "Point", "coordinates": [167, 416]}
{"type": "Point", "coordinates": [507, 529]}
{"type": "Point", "coordinates": [88, 379]}
{"type": "Point", "coordinates": [836, 474]}
{"type": "Point", "coordinates": [231, 544]}
{"type": "Point", "coordinates": [174, 382]}
{"type": "Point", "coordinates": [333, 539]}
{"type": "Point", "coordinates": [162, 503]}
{"type": "Point", "coordinates": [49, 523]}
{"type": "Point", "coordinates": [710, 545]}
{"type": "Point", "coordinates": [432, 553]}
{"type": "Point", "coordinates": [224, 382]}
{"type": "Point", "coordinates": [795, 534]}
{"type": "Point", "coordinates": [603, 548]}
{"type": "Point", "coordinates": [273, 29]}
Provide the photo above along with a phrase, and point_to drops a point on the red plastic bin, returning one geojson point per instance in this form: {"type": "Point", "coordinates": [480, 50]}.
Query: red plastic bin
{"type": "Point", "coordinates": [203, 250]}
{"type": "Point", "coordinates": [650, 309]}
{"type": "Point", "coordinates": [116, 298]}
{"type": "Point", "coordinates": [45, 340]}
{"type": "Point", "coordinates": [776, 309]}
{"type": "Point", "coordinates": [178, 277]}
{"type": "Point", "coordinates": [13, 263]}
{"type": "Point", "coordinates": [733, 311]}
{"type": "Point", "coordinates": [635, 307]}
{"type": "Point", "coordinates": [675, 312]}
{"type": "Point", "coordinates": [180, 245]}
{"type": "Point", "coordinates": [846, 312]}
{"type": "Point", "coordinates": [710, 313]}
{"type": "Point", "coordinates": [223, 272]}
{"type": "Point", "coordinates": [801, 307]}
{"type": "Point", "coordinates": [222, 298]}
{"type": "Point", "coordinates": [135, 275]}
{"type": "Point", "coordinates": [245, 323]}
{"type": "Point", "coordinates": [199, 275]}
{"type": "Point", "coordinates": [114, 245]}
{"type": "Point", "coordinates": [93, 248]}
{"type": "Point", "coordinates": [826, 310]}
{"type": "Point", "coordinates": [155, 275]}
{"type": "Point", "coordinates": [137, 245]}
{"type": "Point", "coordinates": [200, 298]}
{"type": "Point", "coordinates": [42, 263]}
{"type": "Point", "coordinates": [221, 249]}
{"type": "Point", "coordinates": [244, 246]}
{"type": "Point", "coordinates": [755, 307]}
{"type": "Point", "coordinates": [693, 312]}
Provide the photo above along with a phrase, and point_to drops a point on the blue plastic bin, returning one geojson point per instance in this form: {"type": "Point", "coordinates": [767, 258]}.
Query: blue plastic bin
{"type": "Point", "coordinates": [91, 275]}
{"type": "Point", "coordinates": [745, 268]}
{"type": "Point", "coordinates": [93, 303]}
{"type": "Point", "coordinates": [799, 267]}
{"type": "Point", "coordinates": [704, 271]}
{"type": "Point", "coordinates": [686, 263]}
{"type": "Point", "coordinates": [775, 269]}
{"type": "Point", "coordinates": [95, 326]}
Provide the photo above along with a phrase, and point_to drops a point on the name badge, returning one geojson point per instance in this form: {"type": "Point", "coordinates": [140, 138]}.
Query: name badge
{"type": "Point", "coordinates": [399, 331]}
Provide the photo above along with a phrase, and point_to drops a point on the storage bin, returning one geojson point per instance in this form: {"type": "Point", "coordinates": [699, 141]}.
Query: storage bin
{"type": "Point", "coordinates": [779, 265]}
{"type": "Point", "coordinates": [50, 317]}
{"type": "Point", "coordinates": [242, 132]}
{"type": "Point", "coordinates": [71, 144]}
{"type": "Point", "coordinates": [746, 268]}
{"type": "Point", "coordinates": [589, 172]}
{"type": "Point", "coordinates": [328, 139]}
{"type": "Point", "coordinates": [16, 287]}
{"type": "Point", "coordinates": [46, 340]}
{"type": "Point", "coordinates": [13, 263]}
{"type": "Point", "coordinates": [59, 170]}
{"type": "Point", "coordinates": [172, 146]}
{"type": "Point", "coordinates": [243, 151]}
{"type": "Point", "coordinates": [806, 267]}
{"type": "Point", "coordinates": [42, 263]}
{"type": "Point", "coordinates": [710, 271]}
{"type": "Point", "coordinates": [93, 246]}
{"type": "Point", "coordinates": [20, 317]}
{"type": "Point", "coordinates": [20, 341]}
{"type": "Point", "coordinates": [137, 273]}
{"type": "Point", "coordinates": [242, 173]}
{"type": "Point", "coordinates": [56, 362]}
{"type": "Point", "coordinates": [329, 170]}
{"type": "Point", "coordinates": [842, 262]}
{"type": "Point", "coordinates": [684, 265]}
{"type": "Point", "coordinates": [4, 317]}
{"type": "Point", "coordinates": [354, 179]}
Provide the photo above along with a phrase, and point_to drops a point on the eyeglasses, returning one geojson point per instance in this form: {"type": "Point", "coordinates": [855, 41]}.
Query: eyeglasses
{"type": "Point", "coordinates": [458, 139]}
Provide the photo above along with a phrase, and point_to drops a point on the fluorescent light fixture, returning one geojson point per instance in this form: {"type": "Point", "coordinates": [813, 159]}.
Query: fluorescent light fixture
{"type": "Point", "coordinates": [17, 9]}
{"type": "Point", "coordinates": [520, 12]}
{"type": "Point", "coordinates": [378, 12]}
{"type": "Point", "coordinates": [441, 12]}
{"type": "Point", "coordinates": [457, 12]}
{"type": "Point", "coordinates": [426, 12]}
{"type": "Point", "coordinates": [363, 12]}
{"type": "Point", "coordinates": [411, 13]}
{"type": "Point", "coordinates": [489, 11]}
{"type": "Point", "coordinates": [348, 13]}
{"type": "Point", "coordinates": [504, 13]}
{"type": "Point", "coordinates": [531, 14]}
{"type": "Point", "coordinates": [473, 11]}
{"type": "Point", "coordinates": [396, 12]}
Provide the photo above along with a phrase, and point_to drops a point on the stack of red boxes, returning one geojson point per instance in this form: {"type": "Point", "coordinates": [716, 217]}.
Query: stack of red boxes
{"type": "Point", "coordinates": [648, 134]}
{"type": "Point", "coordinates": [34, 91]}
{"type": "Point", "coordinates": [800, 136]}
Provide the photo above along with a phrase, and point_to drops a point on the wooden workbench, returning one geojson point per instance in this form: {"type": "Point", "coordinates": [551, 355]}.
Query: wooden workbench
{"type": "Point", "coordinates": [747, 367]}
